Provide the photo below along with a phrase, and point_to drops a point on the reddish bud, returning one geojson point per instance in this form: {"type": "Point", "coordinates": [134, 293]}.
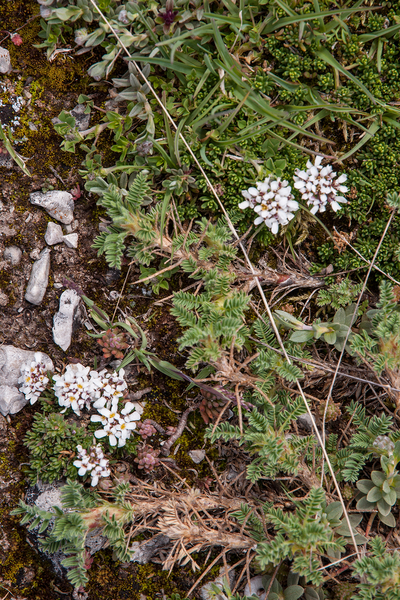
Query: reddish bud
{"type": "Point", "coordinates": [16, 39]}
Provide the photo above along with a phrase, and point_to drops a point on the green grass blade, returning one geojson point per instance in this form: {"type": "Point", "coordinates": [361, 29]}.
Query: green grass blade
{"type": "Point", "coordinates": [367, 37]}
{"type": "Point", "coordinates": [327, 57]}
{"type": "Point", "coordinates": [176, 67]}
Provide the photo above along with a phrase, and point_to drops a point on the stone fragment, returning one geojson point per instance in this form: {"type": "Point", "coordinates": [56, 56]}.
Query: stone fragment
{"type": "Point", "coordinates": [12, 255]}
{"type": "Point", "coordinates": [11, 361]}
{"type": "Point", "coordinates": [58, 204]}
{"type": "Point", "coordinates": [305, 421]}
{"type": "Point", "coordinates": [144, 551]}
{"type": "Point", "coordinates": [71, 240]}
{"type": "Point", "coordinates": [3, 299]}
{"type": "Point", "coordinates": [66, 319]}
{"type": "Point", "coordinates": [39, 278]}
{"type": "Point", "coordinates": [197, 456]}
{"type": "Point", "coordinates": [5, 61]}
{"type": "Point", "coordinates": [54, 234]}
{"type": "Point", "coordinates": [81, 120]}
{"type": "Point", "coordinates": [11, 400]}
{"type": "Point", "coordinates": [256, 588]}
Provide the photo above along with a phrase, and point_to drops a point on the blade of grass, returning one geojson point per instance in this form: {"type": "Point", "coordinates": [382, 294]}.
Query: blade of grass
{"type": "Point", "coordinates": [367, 37]}
{"type": "Point", "coordinates": [296, 18]}
{"type": "Point", "coordinates": [327, 57]}
{"type": "Point", "coordinates": [177, 67]}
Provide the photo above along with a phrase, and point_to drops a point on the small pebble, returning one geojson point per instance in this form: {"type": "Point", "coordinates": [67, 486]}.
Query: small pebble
{"type": "Point", "coordinates": [5, 61]}
{"type": "Point", "coordinates": [13, 255]}
{"type": "Point", "coordinates": [58, 204]}
{"type": "Point", "coordinates": [39, 278]}
{"type": "Point", "coordinates": [3, 299]}
{"type": "Point", "coordinates": [34, 255]}
{"type": "Point", "coordinates": [197, 456]}
{"type": "Point", "coordinates": [71, 240]}
{"type": "Point", "coordinates": [54, 234]}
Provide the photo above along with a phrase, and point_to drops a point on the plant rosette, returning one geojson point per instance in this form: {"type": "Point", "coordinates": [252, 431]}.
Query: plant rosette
{"type": "Point", "coordinates": [383, 489]}
{"type": "Point", "coordinates": [118, 428]}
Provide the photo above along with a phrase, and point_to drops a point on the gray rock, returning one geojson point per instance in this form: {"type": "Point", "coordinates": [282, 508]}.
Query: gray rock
{"type": "Point", "coordinates": [81, 120]}
{"type": "Point", "coordinates": [59, 205]}
{"type": "Point", "coordinates": [11, 361]}
{"type": "Point", "coordinates": [197, 456]}
{"type": "Point", "coordinates": [54, 234]}
{"type": "Point", "coordinates": [94, 541]}
{"type": "Point", "coordinates": [13, 255]}
{"type": "Point", "coordinates": [71, 240]}
{"type": "Point", "coordinates": [50, 496]}
{"type": "Point", "coordinates": [66, 319]}
{"type": "Point", "coordinates": [144, 551]}
{"type": "Point", "coordinates": [11, 400]}
{"type": "Point", "coordinates": [5, 61]}
{"type": "Point", "coordinates": [39, 278]}
{"type": "Point", "coordinates": [255, 588]}
{"type": "Point", "coordinates": [305, 421]}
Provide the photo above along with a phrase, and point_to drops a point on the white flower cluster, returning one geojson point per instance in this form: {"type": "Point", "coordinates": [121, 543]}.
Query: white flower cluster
{"type": "Point", "coordinates": [320, 186]}
{"type": "Point", "coordinates": [34, 379]}
{"type": "Point", "coordinates": [93, 463]}
{"type": "Point", "coordinates": [74, 388]}
{"type": "Point", "coordinates": [118, 428]}
{"type": "Point", "coordinates": [109, 387]}
{"type": "Point", "coordinates": [273, 201]}
{"type": "Point", "coordinates": [78, 387]}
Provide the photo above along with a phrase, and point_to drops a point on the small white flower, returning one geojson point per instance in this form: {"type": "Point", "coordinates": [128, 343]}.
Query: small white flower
{"type": "Point", "coordinates": [116, 427]}
{"type": "Point", "coordinates": [93, 463]}
{"type": "Point", "coordinates": [319, 186]}
{"type": "Point", "coordinates": [33, 378]}
{"type": "Point", "coordinates": [273, 201]}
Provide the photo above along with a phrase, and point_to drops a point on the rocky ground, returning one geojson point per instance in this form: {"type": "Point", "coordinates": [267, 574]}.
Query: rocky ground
{"type": "Point", "coordinates": [43, 89]}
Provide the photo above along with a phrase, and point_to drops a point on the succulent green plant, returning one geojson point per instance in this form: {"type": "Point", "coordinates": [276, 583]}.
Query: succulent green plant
{"type": "Point", "coordinates": [382, 491]}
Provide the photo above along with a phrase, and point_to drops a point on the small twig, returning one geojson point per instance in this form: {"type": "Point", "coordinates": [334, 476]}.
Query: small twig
{"type": "Point", "coordinates": [158, 272]}
{"type": "Point", "coordinates": [179, 430]}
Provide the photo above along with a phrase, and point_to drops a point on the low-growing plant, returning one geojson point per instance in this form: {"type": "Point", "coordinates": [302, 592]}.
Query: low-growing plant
{"type": "Point", "coordinates": [52, 442]}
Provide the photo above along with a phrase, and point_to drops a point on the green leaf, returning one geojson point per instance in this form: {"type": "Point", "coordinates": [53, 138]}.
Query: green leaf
{"type": "Point", "coordinates": [301, 336]}
{"type": "Point", "coordinates": [330, 338]}
{"type": "Point", "coordinates": [391, 497]}
{"type": "Point", "coordinates": [363, 504]}
{"type": "Point", "coordinates": [383, 507]}
{"type": "Point", "coordinates": [365, 485]}
{"type": "Point", "coordinates": [388, 519]}
{"type": "Point", "coordinates": [378, 478]}
{"type": "Point", "coordinates": [293, 592]}
{"type": "Point", "coordinates": [334, 510]}
{"type": "Point", "coordinates": [374, 495]}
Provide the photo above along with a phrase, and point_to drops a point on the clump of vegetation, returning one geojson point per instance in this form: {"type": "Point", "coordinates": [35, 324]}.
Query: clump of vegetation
{"type": "Point", "coordinates": [278, 103]}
